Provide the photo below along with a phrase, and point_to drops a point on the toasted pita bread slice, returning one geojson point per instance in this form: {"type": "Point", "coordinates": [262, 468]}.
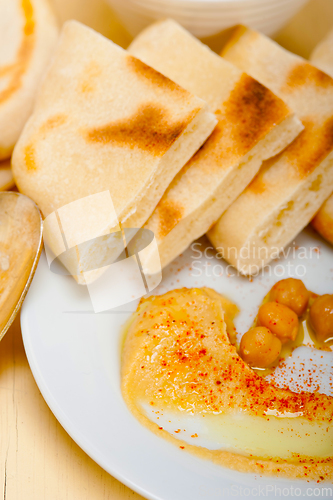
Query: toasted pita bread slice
{"type": "Point", "coordinates": [6, 176]}
{"type": "Point", "coordinates": [28, 35]}
{"type": "Point", "coordinates": [289, 189]}
{"type": "Point", "coordinates": [254, 125]}
{"type": "Point", "coordinates": [104, 120]}
{"type": "Point", "coordinates": [322, 58]}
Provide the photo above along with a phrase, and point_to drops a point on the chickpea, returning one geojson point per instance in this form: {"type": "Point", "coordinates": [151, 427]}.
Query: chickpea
{"type": "Point", "coordinates": [281, 320]}
{"type": "Point", "coordinates": [291, 293]}
{"type": "Point", "coordinates": [259, 347]}
{"type": "Point", "coordinates": [321, 317]}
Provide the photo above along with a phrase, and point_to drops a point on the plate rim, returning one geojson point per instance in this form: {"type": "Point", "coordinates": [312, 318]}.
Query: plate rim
{"type": "Point", "coordinates": [63, 420]}
{"type": "Point", "coordinates": [68, 425]}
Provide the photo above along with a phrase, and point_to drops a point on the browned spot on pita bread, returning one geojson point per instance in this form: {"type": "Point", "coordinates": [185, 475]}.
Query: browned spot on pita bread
{"type": "Point", "coordinates": [307, 151]}
{"type": "Point", "coordinates": [16, 71]}
{"type": "Point", "coordinates": [304, 74]}
{"type": "Point", "coordinates": [29, 157]}
{"type": "Point", "coordinates": [28, 14]}
{"type": "Point", "coordinates": [85, 87]}
{"type": "Point", "coordinates": [91, 73]}
{"type": "Point", "coordinates": [29, 151]}
{"type": "Point", "coordinates": [253, 110]}
{"type": "Point", "coordinates": [169, 214]}
{"type": "Point", "coordinates": [150, 129]}
{"type": "Point", "coordinates": [53, 122]}
{"type": "Point", "coordinates": [248, 115]}
{"type": "Point", "coordinates": [152, 76]}
{"type": "Point", "coordinates": [311, 147]}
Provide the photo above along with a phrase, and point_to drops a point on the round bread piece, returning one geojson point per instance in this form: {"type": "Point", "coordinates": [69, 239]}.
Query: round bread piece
{"type": "Point", "coordinates": [28, 34]}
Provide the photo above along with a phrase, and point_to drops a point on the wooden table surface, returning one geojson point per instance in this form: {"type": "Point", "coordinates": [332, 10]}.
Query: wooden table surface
{"type": "Point", "coordinates": [37, 457]}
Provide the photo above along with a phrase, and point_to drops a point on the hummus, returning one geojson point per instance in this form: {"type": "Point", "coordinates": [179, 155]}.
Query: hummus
{"type": "Point", "coordinates": [178, 362]}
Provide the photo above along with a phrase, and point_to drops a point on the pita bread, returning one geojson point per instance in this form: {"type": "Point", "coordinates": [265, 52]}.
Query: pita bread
{"type": "Point", "coordinates": [322, 58]}
{"type": "Point", "coordinates": [104, 120]}
{"type": "Point", "coordinates": [6, 176]}
{"type": "Point", "coordinates": [28, 34]}
{"type": "Point", "coordinates": [254, 125]}
{"type": "Point", "coordinates": [289, 189]}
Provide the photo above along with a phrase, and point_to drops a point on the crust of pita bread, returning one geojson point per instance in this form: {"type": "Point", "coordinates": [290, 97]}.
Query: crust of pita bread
{"type": "Point", "coordinates": [322, 58]}
{"type": "Point", "coordinates": [254, 125]}
{"type": "Point", "coordinates": [103, 120]}
{"type": "Point", "coordinates": [289, 189]}
{"type": "Point", "coordinates": [6, 176]}
{"type": "Point", "coordinates": [25, 51]}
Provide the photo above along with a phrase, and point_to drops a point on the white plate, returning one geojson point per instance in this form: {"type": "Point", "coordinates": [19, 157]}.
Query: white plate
{"type": "Point", "coordinates": [75, 358]}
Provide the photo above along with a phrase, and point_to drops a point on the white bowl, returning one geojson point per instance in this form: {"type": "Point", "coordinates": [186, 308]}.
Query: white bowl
{"type": "Point", "coordinates": [206, 18]}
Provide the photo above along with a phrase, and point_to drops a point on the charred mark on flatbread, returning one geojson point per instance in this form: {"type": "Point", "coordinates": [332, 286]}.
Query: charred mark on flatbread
{"type": "Point", "coordinates": [311, 147]}
{"type": "Point", "coordinates": [53, 122]}
{"type": "Point", "coordinates": [248, 115]}
{"type": "Point", "coordinates": [169, 213]}
{"type": "Point", "coordinates": [149, 129]}
{"type": "Point", "coordinates": [303, 155]}
{"type": "Point", "coordinates": [16, 70]}
{"type": "Point", "coordinates": [253, 110]}
{"type": "Point", "coordinates": [28, 15]}
{"type": "Point", "coordinates": [304, 74]}
{"type": "Point", "coordinates": [153, 77]}
{"type": "Point", "coordinates": [29, 150]}
{"type": "Point", "coordinates": [29, 157]}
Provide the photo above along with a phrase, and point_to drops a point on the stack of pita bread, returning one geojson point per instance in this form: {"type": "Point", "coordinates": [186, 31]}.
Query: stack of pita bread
{"type": "Point", "coordinates": [185, 141]}
{"type": "Point", "coordinates": [290, 188]}
{"type": "Point", "coordinates": [28, 34]}
{"type": "Point", "coordinates": [322, 57]}
{"type": "Point", "coordinates": [104, 120]}
{"type": "Point", "coordinates": [253, 125]}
